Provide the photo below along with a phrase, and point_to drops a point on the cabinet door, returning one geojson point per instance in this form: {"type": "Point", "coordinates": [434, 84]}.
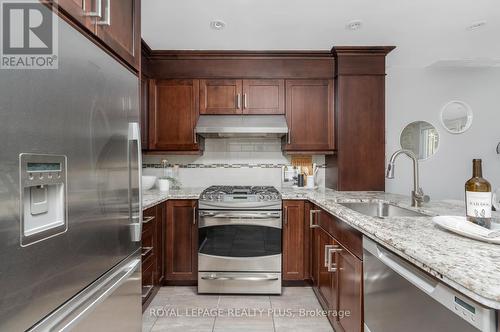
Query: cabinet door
{"type": "Point", "coordinates": [315, 257]}
{"type": "Point", "coordinates": [350, 290]}
{"type": "Point", "coordinates": [327, 282]}
{"type": "Point", "coordinates": [173, 115]}
{"type": "Point", "coordinates": [293, 240]}
{"type": "Point", "coordinates": [80, 11]}
{"type": "Point", "coordinates": [119, 28]}
{"type": "Point", "coordinates": [144, 112]}
{"type": "Point", "coordinates": [182, 240]}
{"type": "Point", "coordinates": [160, 234]}
{"type": "Point", "coordinates": [309, 113]}
{"type": "Point", "coordinates": [220, 97]}
{"type": "Point", "coordinates": [263, 97]}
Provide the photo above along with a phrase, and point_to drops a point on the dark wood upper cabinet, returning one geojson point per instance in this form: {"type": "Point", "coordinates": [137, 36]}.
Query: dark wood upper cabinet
{"type": "Point", "coordinates": [221, 97]}
{"type": "Point", "coordinates": [80, 11]}
{"type": "Point", "coordinates": [116, 25]}
{"type": "Point", "coordinates": [310, 117]}
{"type": "Point", "coordinates": [360, 114]}
{"type": "Point", "coordinates": [144, 100]}
{"type": "Point", "coordinates": [350, 291]}
{"type": "Point", "coordinates": [119, 28]}
{"type": "Point", "coordinates": [293, 240]}
{"type": "Point", "coordinates": [173, 112]}
{"type": "Point", "coordinates": [182, 241]}
{"type": "Point", "coordinates": [263, 97]}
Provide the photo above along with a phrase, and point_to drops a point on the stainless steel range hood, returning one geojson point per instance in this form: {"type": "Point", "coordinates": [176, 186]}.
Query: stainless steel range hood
{"type": "Point", "coordinates": [220, 126]}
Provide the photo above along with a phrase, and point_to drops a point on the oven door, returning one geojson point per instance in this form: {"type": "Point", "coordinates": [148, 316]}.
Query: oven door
{"type": "Point", "coordinates": [239, 241]}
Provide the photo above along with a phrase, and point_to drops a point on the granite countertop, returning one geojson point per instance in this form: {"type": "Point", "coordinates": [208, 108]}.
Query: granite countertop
{"type": "Point", "coordinates": [152, 197]}
{"type": "Point", "coordinates": [471, 267]}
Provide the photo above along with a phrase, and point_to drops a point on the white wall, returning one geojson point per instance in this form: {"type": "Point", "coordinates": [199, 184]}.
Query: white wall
{"type": "Point", "coordinates": [418, 94]}
{"type": "Point", "coordinates": [232, 162]}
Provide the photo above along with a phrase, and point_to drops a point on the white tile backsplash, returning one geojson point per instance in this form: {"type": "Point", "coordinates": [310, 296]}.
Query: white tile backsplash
{"type": "Point", "coordinates": [232, 151]}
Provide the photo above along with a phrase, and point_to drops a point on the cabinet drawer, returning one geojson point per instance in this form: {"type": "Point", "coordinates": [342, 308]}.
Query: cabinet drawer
{"type": "Point", "coordinates": [148, 246]}
{"type": "Point", "coordinates": [148, 236]}
{"type": "Point", "coordinates": [147, 281]}
{"type": "Point", "coordinates": [349, 238]}
{"type": "Point", "coordinates": [149, 219]}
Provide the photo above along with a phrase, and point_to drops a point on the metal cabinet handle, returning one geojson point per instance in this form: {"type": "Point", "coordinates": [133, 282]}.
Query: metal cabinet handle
{"type": "Point", "coordinates": [311, 218]}
{"type": "Point", "coordinates": [245, 101]}
{"type": "Point", "coordinates": [285, 217]}
{"type": "Point", "coordinates": [332, 267]}
{"type": "Point", "coordinates": [146, 290]}
{"type": "Point", "coordinates": [195, 138]}
{"type": "Point", "coordinates": [97, 13]}
{"type": "Point", "coordinates": [327, 248]}
{"type": "Point", "coordinates": [146, 251]}
{"type": "Point", "coordinates": [148, 219]}
{"type": "Point", "coordinates": [238, 101]}
{"type": "Point", "coordinates": [289, 137]}
{"type": "Point", "coordinates": [107, 14]}
{"type": "Point", "coordinates": [194, 216]}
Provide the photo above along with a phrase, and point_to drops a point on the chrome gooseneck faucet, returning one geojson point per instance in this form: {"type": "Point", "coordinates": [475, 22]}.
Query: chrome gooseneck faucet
{"type": "Point", "coordinates": [417, 195]}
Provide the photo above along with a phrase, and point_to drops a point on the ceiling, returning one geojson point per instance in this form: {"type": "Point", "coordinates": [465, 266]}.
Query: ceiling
{"type": "Point", "coordinates": [425, 32]}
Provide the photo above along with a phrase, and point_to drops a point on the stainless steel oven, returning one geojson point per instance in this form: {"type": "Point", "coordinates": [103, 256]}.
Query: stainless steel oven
{"type": "Point", "coordinates": [239, 249]}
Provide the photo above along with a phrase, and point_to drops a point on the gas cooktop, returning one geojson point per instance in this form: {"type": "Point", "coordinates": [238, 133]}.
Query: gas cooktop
{"type": "Point", "coordinates": [248, 197]}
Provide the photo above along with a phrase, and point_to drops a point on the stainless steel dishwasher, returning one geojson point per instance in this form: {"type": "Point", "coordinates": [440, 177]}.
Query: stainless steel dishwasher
{"type": "Point", "coordinates": [400, 297]}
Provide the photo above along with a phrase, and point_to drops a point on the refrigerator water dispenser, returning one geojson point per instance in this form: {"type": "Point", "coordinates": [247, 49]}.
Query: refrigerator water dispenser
{"type": "Point", "coordinates": [43, 197]}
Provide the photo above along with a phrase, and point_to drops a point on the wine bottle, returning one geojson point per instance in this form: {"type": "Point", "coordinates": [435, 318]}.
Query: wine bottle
{"type": "Point", "coordinates": [478, 198]}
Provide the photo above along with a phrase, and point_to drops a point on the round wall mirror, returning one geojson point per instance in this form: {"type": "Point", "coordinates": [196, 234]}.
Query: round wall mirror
{"type": "Point", "coordinates": [420, 137]}
{"type": "Point", "coordinates": [456, 117]}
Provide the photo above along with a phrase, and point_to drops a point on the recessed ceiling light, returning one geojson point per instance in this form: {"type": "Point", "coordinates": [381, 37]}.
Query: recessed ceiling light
{"type": "Point", "coordinates": [217, 24]}
{"type": "Point", "coordinates": [476, 25]}
{"type": "Point", "coordinates": [354, 25]}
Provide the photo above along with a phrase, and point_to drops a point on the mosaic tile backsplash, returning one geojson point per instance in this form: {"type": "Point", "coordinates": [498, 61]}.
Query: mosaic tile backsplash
{"type": "Point", "coordinates": [230, 162]}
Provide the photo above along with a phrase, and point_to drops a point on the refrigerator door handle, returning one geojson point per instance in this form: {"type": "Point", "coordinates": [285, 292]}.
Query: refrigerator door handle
{"type": "Point", "coordinates": [66, 320]}
{"type": "Point", "coordinates": [135, 147]}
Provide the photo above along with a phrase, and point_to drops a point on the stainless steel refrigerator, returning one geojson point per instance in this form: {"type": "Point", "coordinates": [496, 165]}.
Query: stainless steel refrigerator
{"type": "Point", "coordinates": [70, 203]}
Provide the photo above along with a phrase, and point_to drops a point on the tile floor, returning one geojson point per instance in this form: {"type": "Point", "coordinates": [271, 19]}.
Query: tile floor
{"type": "Point", "coordinates": [182, 309]}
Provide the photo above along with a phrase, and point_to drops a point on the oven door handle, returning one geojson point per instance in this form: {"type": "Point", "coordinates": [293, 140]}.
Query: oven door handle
{"type": "Point", "coordinates": [271, 215]}
{"type": "Point", "coordinates": [241, 278]}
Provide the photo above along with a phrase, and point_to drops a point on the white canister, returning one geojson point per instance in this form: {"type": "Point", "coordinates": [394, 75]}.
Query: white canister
{"type": "Point", "coordinates": [310, 182]}
{"type": "Point", "coordinates": [163, 184]}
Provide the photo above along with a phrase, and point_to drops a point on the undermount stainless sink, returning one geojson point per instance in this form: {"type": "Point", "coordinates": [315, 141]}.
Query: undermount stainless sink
{"type": "Point", "coordinates": [382, 210]}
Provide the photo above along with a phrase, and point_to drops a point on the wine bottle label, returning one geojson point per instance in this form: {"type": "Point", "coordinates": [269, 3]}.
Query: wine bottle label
{"type": "Point", "coordinates": [478, 204]}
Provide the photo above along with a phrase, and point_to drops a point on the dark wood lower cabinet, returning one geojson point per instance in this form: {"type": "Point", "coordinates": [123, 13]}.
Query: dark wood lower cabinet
{"type": "Point", "coordinates": [152, 257]}
{"type": "Point", "coordinates": [327, 280]}
{"type": "Point", "coordinates": [293, 240]}
{"type": "Point", "coordinates": [350, 290]}
{"type": "Point", "coordinates": [327, 254]}
{"type": "Point", "coordinates": [336, 273]}
{"type": "Point", "coordinates": [160, 244]}
{"type": "Point", "coordinates": [182, 241]}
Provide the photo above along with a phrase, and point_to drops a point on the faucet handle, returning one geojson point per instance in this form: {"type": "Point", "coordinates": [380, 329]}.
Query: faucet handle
{"type": "Point", "coordinates": [419, 195]}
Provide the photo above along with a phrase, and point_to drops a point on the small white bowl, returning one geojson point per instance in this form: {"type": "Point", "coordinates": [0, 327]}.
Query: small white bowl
{"type": "Point", "coordinates": [148, 182]}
